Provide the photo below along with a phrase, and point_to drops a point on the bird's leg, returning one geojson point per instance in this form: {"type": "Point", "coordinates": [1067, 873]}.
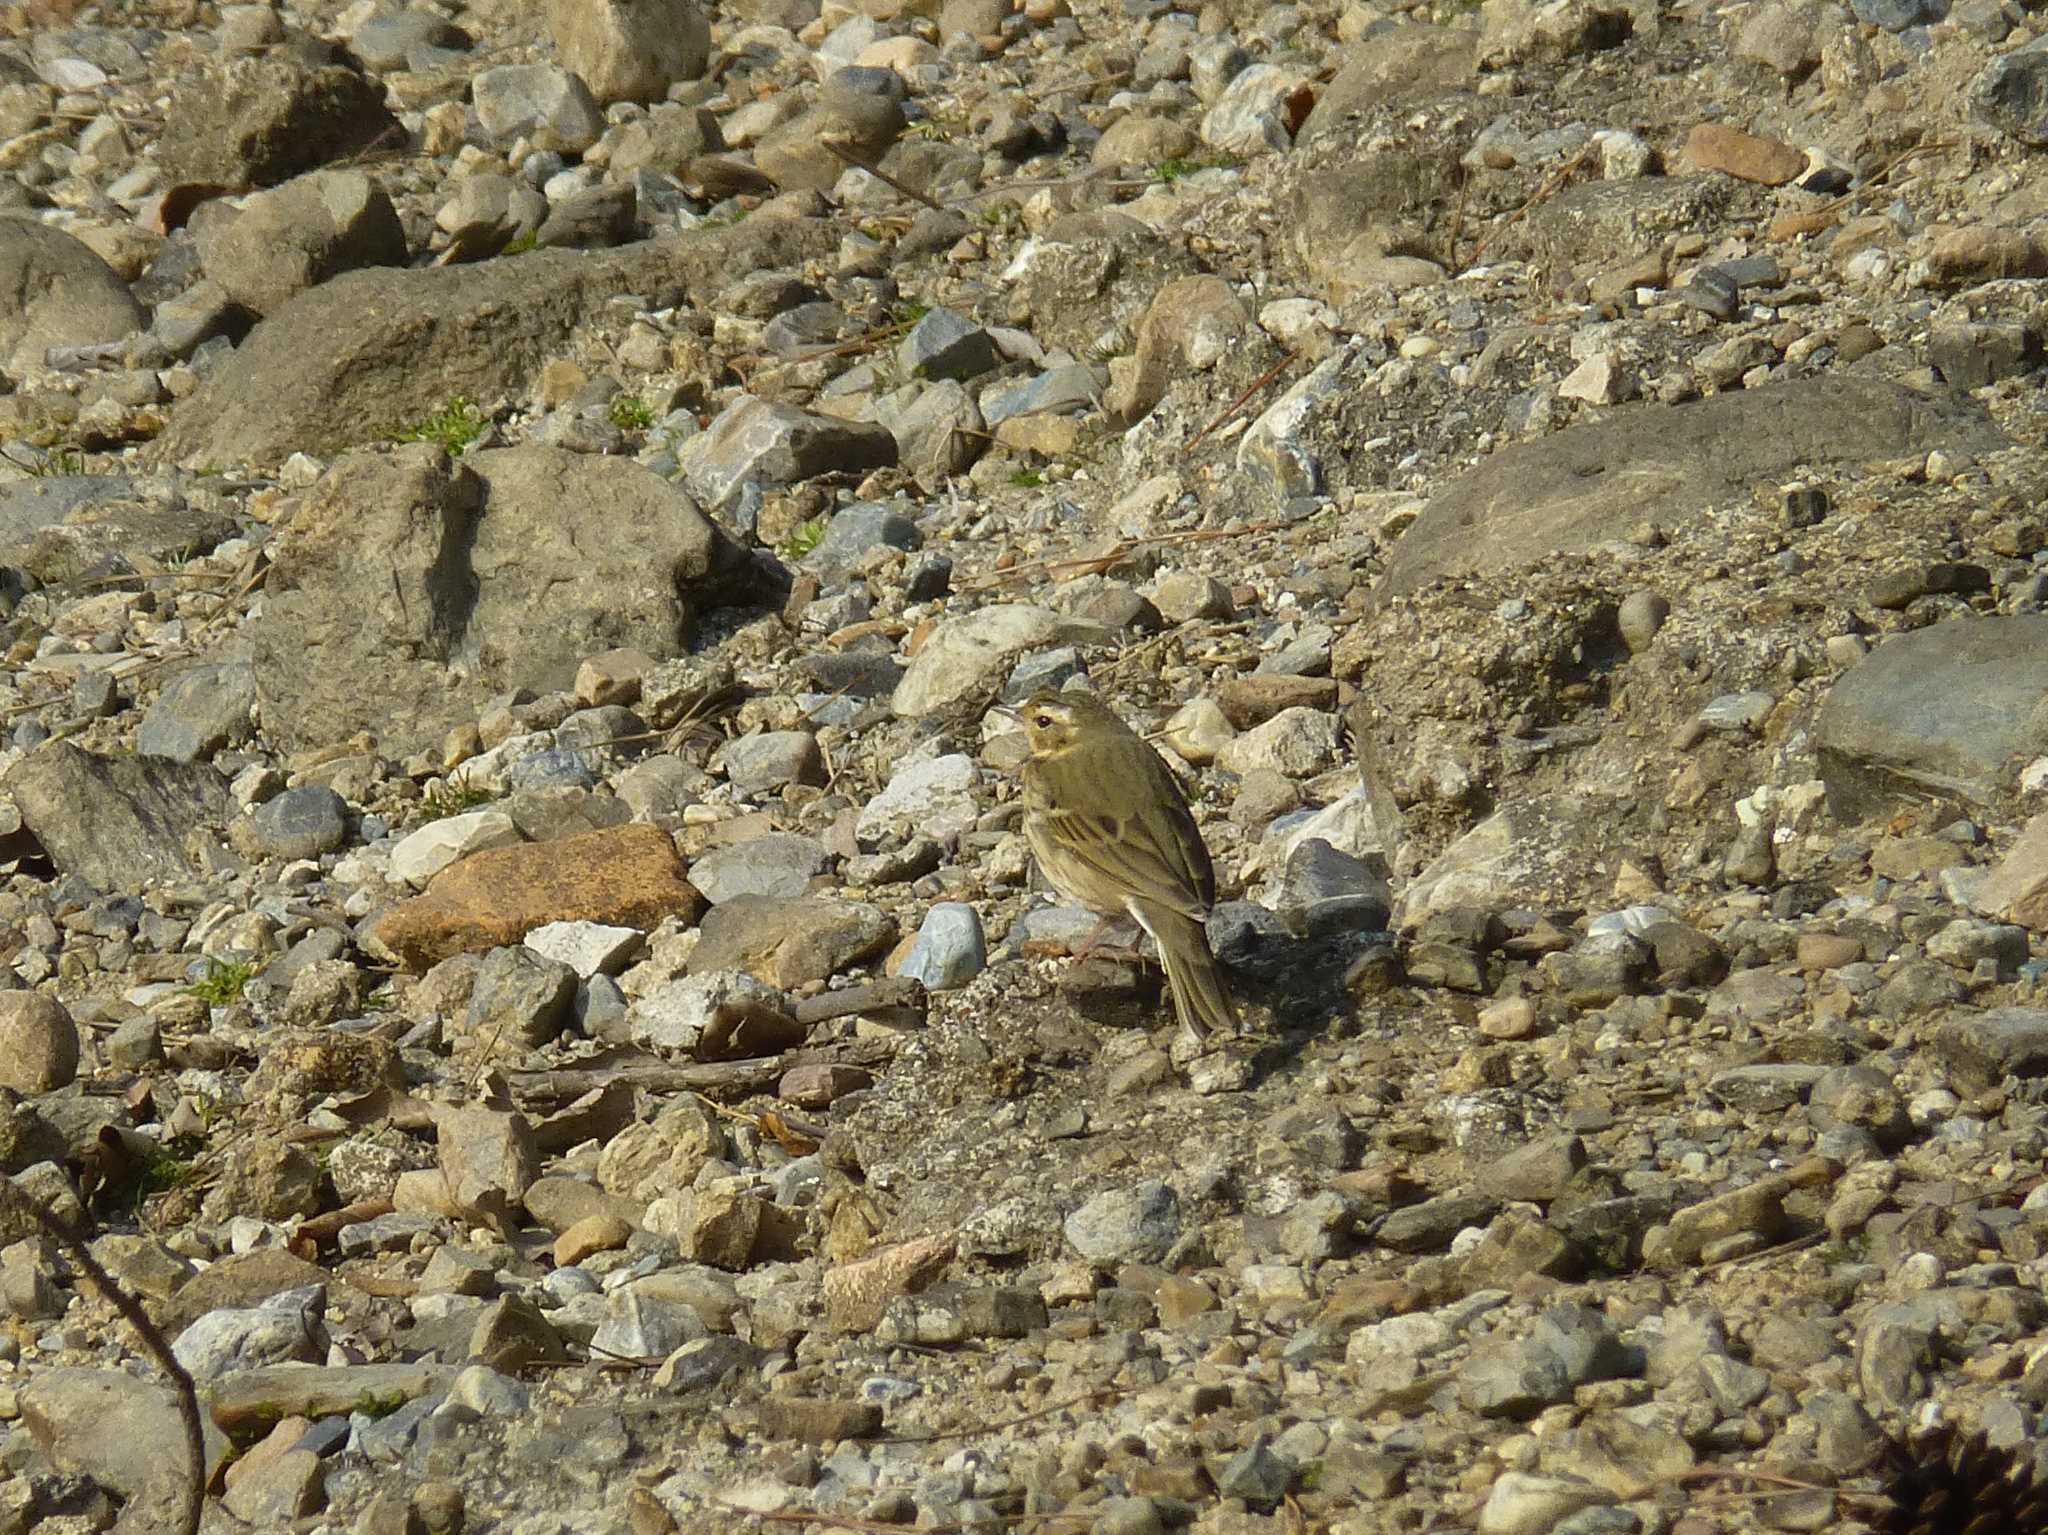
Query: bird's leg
{"type": "Point", "coordinates": [1126, 953]}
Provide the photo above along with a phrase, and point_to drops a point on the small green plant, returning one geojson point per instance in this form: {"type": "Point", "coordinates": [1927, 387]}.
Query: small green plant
{"type": "Point", "coordinates": [222, 983]}
{"type": "Point", "coordinates": [175, 1164]}
{"type": "Point", "coordinates": [999, 215]}
{"type": "Point", "coordinates": [521, 243]}
{"type": "Point", "coordinates": [454, 426]}
{"type": "Point", "coordinates": [907, 312]}
{"type": "Point", "coordinates": [439, 804]}
{"type": "Point", "coordinates": [50, 465]}
{"type": "Point", "coordinates": [372, 1404]}
{"type": "Point", "coordinates": [1177, 167]}
{"type": "Point", "coordinates": [1026, 479]}
{"type": "Point", "coordinates": [630, 413]}
{"type": "Point", "coordinates": [807, 537]}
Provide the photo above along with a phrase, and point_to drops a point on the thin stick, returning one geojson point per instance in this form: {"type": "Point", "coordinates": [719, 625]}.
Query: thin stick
{"type": "Point", "coordinates": [153, 1340]}
{"type": "Point", "coordinates": [1549, 186]}
{"type": "Point", "coordinates": [990, 1428]}
{"type": "Point", "coordinates": [1238, 404]}
{"type": "Point", "coordinates": [1082, 564]}
{"type": "Point", "coordinates": [879, 174]}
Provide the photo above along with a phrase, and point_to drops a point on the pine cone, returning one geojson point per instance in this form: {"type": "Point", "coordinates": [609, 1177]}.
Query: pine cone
{"type": "Point", "coordinates": [1945, 1483]}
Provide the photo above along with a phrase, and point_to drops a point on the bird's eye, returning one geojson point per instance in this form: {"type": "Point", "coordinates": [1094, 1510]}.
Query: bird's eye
{"type": "Point", "coordinates": [1042, 721]}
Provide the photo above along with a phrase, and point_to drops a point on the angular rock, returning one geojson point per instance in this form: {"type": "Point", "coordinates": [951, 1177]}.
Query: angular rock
{"type": "Point", "coordinates": [374, 352]}
{"type": "Point", "coordinates": [934, 798]}
{"type": "Point", "coordinates": [1982, 1049]}
{"type": "Point", "coordinates": [520, 997]}
{"type": "Point", "coordinates": [1135, 1225]}
{"type": "Point", "coordinates": [1944, 711]}
{"type": "Point", "coordinates": [489, 1159]}
{"type": "Point", "coordinates": [542, 103]}
{"type": "Point", "coordinates": [298, 235]}
{"type": "Point", "coordinates": [263, 120]}
{"type": "Point", "coordinates": [628, 876]}
{"type": "Point", "coordinates": [722, 1015]}
{"type": "Point", "coordinates": [964, 655]}
{"type": "Point", "coordinates": [199, 711]}
{"type": "Point", "coordinates": [110, 820]}
{"type": "Point", "coordinates": [758, 443]}
{"type": "Point", "coordinates": [2017, 888]}
{"type": "Point", "coordinates": [790, 942]}
{"type": "Point", "coordinates": [1664, 463]}
{"type": "Point", "coordinates": [422, 854]}
{"type": "Point", "coordinates": [401, 566]}
{"type": "Point", "coordinates": [776, 864]}
{"type": "Point", "coordinates": [123, 1433]}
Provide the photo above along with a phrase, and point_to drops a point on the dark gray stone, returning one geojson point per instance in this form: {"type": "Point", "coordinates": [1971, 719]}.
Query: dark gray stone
{"type": "Point", "coordinates": [2011, 94]}
{"type": "Point", "coordinates": [1898, 15]}
{"type": "Point", "coordinates": [856, 529]}
{"type": "Point", "coordinates": [301, 823]}
{"type": "Point", "coordinates": [527, 997]}
{"type": "Point", "coordinates": [1982, 1049]}
{"type": "Point", "coordinates": [946, 344]}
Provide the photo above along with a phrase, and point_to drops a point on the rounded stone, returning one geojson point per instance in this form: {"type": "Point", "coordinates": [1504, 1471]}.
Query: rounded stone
{"type": "Point", "coordinates": [301, 823]}
{"type": "Point", "coordinates": [1642, 615]}
{"type": "Point", "coordinates": [38, 1043]}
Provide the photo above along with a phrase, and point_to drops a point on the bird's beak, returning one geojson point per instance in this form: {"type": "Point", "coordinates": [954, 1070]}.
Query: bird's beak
{"type": "Point", "coordinates": [1007, 712]}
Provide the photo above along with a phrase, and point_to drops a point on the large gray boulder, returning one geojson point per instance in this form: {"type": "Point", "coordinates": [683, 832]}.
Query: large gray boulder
{"type": "Point", "coordinates": [117, 821]}
{"type": "Point", "coordinates": [297, 236]}
{"type": "Point", "coordinates": [55, 292]}
{"type": "Point", "coordinates": [264, 120]}
{"type": "Point", "coordinates": [630, 50]}
{"type": "Point", "coordinates": [1591, 484]}
{"type": "Point", "coordinates": [373, 352]}
{"type": "Point", "coordinates": [411, 587]}
{"type": "Point", "coordinates": [1949, 712]}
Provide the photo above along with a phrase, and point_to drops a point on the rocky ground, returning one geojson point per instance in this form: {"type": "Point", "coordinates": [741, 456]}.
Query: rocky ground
{"type": "Point", "coordinates": [518, 946]}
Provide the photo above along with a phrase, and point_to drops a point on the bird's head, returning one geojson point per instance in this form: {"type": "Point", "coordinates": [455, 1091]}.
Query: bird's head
{"type": "Point", "coordinates": [1055, 722]}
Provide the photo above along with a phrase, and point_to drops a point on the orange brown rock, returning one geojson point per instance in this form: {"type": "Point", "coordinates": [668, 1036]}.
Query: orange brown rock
{"type": "Point", "coordinates": [1745, 156]}
{"type": "Point", "coordinates": [628, 876]}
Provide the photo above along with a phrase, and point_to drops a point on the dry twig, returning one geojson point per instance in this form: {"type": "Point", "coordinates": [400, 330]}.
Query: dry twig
{"type": "Point", "coordinates": [153, 1341]}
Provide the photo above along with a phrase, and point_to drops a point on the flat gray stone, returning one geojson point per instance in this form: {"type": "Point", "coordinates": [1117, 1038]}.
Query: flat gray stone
{"type": "Point", "coordinates": [756, 442]}
{"type": "Point", "coordinates": [1951, 711]}
{"type": "Point", "coordinates": [1665, 464]}
{"type": "Point", "coordinates": [116, 820]}
{"type": "Point", "coordinates": [198, 712]}
{"type": "Point", "coordinates": [777, 864]}
{"type": "Point", "coordinates": [1982, 1049]}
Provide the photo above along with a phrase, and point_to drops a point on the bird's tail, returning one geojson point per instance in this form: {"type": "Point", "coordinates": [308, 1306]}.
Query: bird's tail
{"type": "Point", "coordinates": [1201, 997]}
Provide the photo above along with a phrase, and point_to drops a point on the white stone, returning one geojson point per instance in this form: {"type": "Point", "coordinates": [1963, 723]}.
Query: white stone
{"type": "Point", "coordinates": [588, 948]}
{"type": "Point", "coordinates": [935, 799]}
{"type": "Point", "coordinates": [426, 852]}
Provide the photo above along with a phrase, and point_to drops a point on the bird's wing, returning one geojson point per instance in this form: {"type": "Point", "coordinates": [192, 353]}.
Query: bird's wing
{"type": "Point", "coordinates": [1125, 852]}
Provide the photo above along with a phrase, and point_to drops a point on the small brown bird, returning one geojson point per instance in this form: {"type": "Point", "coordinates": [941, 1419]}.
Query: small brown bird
{"type": "Point", "coordinates": [1106, 819]}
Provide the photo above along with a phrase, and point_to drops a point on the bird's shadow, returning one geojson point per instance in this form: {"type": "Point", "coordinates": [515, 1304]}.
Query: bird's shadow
{"type": "Point", "coordinates": [1294, 979]}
